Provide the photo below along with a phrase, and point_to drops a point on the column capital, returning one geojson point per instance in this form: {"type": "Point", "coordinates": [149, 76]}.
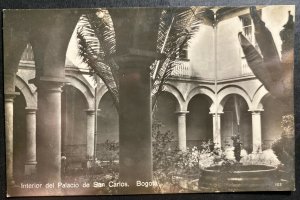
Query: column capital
{"type": "Point", "coordinates": [182, 112]}
{"type": "Point", "coordinates": [31, 110]}
{"type": "Point", "coordinates": [91, 111]}
{"type": "Point", "coordinates": [9, 96]}
{"type": "Point", "coordinates": [218, 113]}
{"type": "Point", "coordinates": [30, 162]}
{"type": "Point", "coordinates": [256, 112]}
{"type": "Point", "coordinates": [53, 84]}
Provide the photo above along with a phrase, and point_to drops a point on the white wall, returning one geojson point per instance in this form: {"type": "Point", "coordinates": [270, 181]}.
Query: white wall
{"type": "Point", "coordinates": [201, 49]}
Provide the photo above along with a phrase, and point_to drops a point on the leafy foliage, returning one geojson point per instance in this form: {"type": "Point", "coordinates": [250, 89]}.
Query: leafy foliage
{"type": "Point", "coordinates": [169, 162]}
{"type": "Point", "coordinates": [275, 75]}
{"type": "Point", "coordinates": [96, 41]}
{"type": "Point", "coordinates": [284, 147]}
{"type": "Point", "coordinates": [237, 147]}
{"type": "Point", "coordinates": [176, 27]}
{"type": "Point", "coordinates": [266, 157]}
{"type": "Point", "coordinates": [109, 152]}
{"type": "Point", "coordinates": [97, 45]}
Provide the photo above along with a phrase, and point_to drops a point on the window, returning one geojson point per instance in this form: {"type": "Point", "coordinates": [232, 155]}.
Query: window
{"type": "Point", "coordinates": [248, 31]}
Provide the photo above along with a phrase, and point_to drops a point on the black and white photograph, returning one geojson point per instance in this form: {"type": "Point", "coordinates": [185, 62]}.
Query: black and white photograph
{"type": "Point", "coordinates": [156, 100]}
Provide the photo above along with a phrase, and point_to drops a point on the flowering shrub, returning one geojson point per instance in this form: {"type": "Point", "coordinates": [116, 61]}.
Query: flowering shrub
{"type": "Point", "coordinates": [229, 153]}
{"type": "Point", "coordinates": [170, 165]}
{"type": "Point", "coordinates": [284, 146]}
{"type": "Point", "coordinates": [111, 151]}
{"type": "Point", "coordinates": [266, 157]}
{"type": "Point", "coordinates": [288, 125]}
{"type": "Point", "coordinates": [206, 160]}
{"type": "Point", "coordinates": [209, 156]}
{"type": "Point", "coordinates": [169, 162]}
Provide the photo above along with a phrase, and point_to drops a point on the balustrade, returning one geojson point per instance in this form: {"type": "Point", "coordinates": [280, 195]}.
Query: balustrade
{"type": "Point", "coordinates": [182, 69]}
{"type": "Point", "coordinates": [27, 54]}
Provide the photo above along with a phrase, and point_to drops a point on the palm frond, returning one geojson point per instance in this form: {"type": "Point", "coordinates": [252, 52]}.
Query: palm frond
{"type": "Point", "coordinates": [159, 82]}
{"type": "Point", "coordinates": [96, 66]}
{"type": "Point", "coordinates": [103, 29]}
{"type": "Point", "coordinates": [88, 33]}
{"type": "Point", "coordinates": [166, 21]}
{"type": "Point", "coordinates": [97, 47]}
{"type": "Point", "coordinates": [97, 43]}
{"type": "Point", "coordinates": [176, 27]}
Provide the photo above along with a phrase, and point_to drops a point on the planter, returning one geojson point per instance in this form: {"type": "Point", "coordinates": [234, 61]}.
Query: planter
{"type": "Point", "coordinates": [239, 178]}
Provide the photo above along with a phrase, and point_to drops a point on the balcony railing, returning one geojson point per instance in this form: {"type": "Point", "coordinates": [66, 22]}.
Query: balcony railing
{"type": "Point", "coordinates": [245, 68]}
{"type": "Point", "coordinates": [182, 69]}
{"type": "Point", "coordinates": [27, 54]}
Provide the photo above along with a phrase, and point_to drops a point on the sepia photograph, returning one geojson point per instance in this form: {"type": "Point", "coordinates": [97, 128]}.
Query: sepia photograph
{"type": "Point", "coordinates": [156, 100]}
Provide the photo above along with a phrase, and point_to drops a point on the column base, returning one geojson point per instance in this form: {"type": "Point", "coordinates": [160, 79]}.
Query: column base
{"type": "Point", "coordinates": [30, 168]}
{"type": "Point", "coordinates": [256, 149]}
{"type": "Point", "coordinates": [89, 163]}
{"type": "Point", "coordinates": [11, 183]}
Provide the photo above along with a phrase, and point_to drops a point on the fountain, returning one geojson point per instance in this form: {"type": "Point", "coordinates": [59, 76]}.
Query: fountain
{"type": "Point", "coordinates": [234, 176]}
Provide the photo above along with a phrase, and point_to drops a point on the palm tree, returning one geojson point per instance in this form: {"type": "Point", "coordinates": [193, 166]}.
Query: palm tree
{"type": "Point", "coordinates": [97, 45]}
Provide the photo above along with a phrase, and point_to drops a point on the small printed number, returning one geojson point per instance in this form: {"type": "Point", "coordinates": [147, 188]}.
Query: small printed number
{"type": "Point", "coordinates": [278, 184]}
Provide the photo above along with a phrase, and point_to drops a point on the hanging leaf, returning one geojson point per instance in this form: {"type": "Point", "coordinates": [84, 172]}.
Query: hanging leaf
{"type": "Point", "coordinates": [97, 43]}
{"type": "Point", "coordinates": [176, 27]}
{"type": "Point", "coordinates": [93, 59]}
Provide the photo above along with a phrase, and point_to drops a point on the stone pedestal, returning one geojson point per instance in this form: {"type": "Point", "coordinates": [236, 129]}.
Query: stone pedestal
{"type": "Point", "coordinates": [217, 129]}
{"type": "Point", "coordinates": [30, 163]}
{"type": "Point", "coordinates": [182, 129]}
{"type": "Point", "coordinates": [49, 129]}
{"type": "Point", "coordinates": [256, 131]}
{"type": "Point", "coordinates": [90, 134]}
{"type": "Point", "coordinates": [9, 141]}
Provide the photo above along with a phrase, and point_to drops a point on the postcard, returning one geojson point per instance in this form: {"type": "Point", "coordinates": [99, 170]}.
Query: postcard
{"type": "Point", "coordinates": [110, 101]}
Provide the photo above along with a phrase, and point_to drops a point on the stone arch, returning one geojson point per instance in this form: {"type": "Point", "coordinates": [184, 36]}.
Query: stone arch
{"type": "Point", "coordinates": [100, 93]}
{"type": "Point", "coordinates": [231, 89]}
{"type": "Point", "coordinates": [201, 90]}
{"type": "Point", "coordinates": [260, 93]}
{"type": "Point", "coordinates": [107, 117]}
{"type": "Point", "coordinates": [168, 88]}
{"type": "Point", "coordinates": [83, 88]}
{"type": "Point", "coordinates": [30, 97]}
{"type": "Point", "coordinates": [177, 94]}
{"type": "Point", "coordinates": [199, 121]}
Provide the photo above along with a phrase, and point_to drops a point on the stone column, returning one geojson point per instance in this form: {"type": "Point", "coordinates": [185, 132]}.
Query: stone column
{"type": "Point", "coordinates": [30, 163]}
{"type": "Point", "coordinates": [90, 134]}
{"type": "Point", "coordinates": [135, 54]}
{"type": "Point", "coordinates": [9, 116]}
{"type": "Point", "coordinates": [135, 126]}
{"type": "Point", "coordinates": [217, 129]}
{"type": "Point", "coordinates": [256, 131]}
{"type": "Point", "coordinates": [182, 129]}
{"type": "Point", "coordinates": [64, 121]}
{"type": "Point", "coordinates": [49, 129]}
